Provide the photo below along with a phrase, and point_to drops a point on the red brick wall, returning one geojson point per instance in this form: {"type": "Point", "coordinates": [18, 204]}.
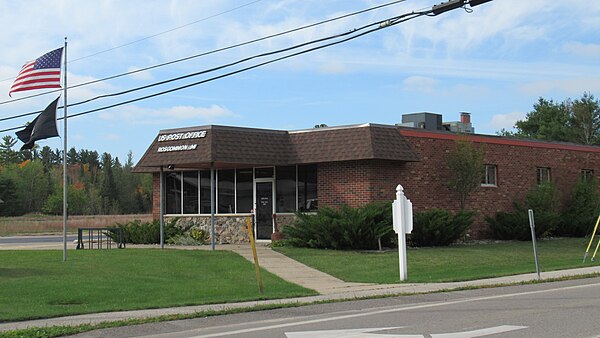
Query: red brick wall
{"type": "Point", "coordinates": [426, 182]}
{"type": "Point", "coordinates": [342, 183]}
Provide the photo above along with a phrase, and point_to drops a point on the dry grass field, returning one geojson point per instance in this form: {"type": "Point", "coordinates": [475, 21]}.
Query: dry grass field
{"type": "Point", "coordinates": [44, 224]}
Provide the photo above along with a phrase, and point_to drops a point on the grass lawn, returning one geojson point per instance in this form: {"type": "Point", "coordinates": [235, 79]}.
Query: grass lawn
{"type": "Point", "coordinates": [38, 284]}
{"type": "Point", "coordinates": [456, 263]}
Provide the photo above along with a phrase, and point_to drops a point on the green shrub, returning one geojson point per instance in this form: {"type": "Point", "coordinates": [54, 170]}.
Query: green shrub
{"type": "Point", "coordinates": [136, 232]}
{"type": "Point", "coordinates": [345, 229]}
{"type": "Point", "coordinates": [580, 214]}
{"type": "Point", "coordinates": [510, 225]}
{"type": "Point", "coordinates": [439, 227]}
{"type": "Point", "coordinates": [544, 201]}
{"type": "Point", "coordinates": [200, 235]}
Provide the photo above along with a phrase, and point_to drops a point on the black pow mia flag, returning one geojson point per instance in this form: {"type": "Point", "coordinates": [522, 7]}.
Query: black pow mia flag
{"type": "Point", "coordinates": [44, 126]}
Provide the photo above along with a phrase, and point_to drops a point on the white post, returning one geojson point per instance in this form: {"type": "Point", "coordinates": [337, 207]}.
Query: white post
{"type": "Point", "coordinates": [400, 216]}
{"type": "Point", "coordinates": [65, 167]}
{"type": "Point", "coordinates": [212, 206]}
{"type": "Point", "coordinates": [162, 208]}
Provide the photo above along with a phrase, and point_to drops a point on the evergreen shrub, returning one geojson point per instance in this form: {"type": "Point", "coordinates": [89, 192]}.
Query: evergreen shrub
{"type": "Point", "coordinates": [344, 229]}
{"type": "Point", "coordinates": [580, 215]}
{"type": "Point", "coordinates": [138, 232]}
{"type": "Point", "coordinates": [545, 203]}
{"type": "Point", "coordinates": [438, 227]}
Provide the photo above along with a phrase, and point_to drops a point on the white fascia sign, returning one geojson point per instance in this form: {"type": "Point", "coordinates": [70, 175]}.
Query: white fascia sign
{"type": "Point", "coordinates": [178, 137]}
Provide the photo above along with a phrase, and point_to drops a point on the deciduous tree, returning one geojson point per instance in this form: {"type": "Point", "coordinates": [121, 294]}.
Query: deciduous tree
{"type": "Point", "coordinates": [466, 166]}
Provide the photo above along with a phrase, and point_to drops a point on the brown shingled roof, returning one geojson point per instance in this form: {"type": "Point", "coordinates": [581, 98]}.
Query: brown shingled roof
{"type": "Point", "coordinates": [351, 143]}
{"type": "Point", "coordinates": [236, 147]}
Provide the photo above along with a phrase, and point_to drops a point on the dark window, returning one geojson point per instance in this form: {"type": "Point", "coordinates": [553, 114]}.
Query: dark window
{"type": "Point", "coordinates": [587, 174]}
{"type": "Point", "coordinates": [263, 172]}
{"type": "Point", "coordinates": [225, 192]}
{"type": "Point", "coordinates": [205, 192]}
{"type": "Point", "coordinates": [543, 175]}
{"type": "Point", "coordinates": [173, 193]}
{"type": "Point", "coordinates": [190, 192]}
{"type": "Point", "coordinates": [489, 176]}
{"type": "Point", "coordinates": [307, 188]}
{"type": "Point", "coordinates": [286, 188]}
{"type": "Point", "coordinates": [244, 190]}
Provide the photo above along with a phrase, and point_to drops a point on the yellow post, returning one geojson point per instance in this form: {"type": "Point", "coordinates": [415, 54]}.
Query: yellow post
{"type": "Point", "coordinates": [596, 251]}
{"type": "Point", "coordinates": [591, 240]}
{"type": "Point", "coordinates": [256, 266]}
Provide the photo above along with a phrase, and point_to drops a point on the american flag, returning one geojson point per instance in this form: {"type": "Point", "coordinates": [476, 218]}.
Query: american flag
{"type": "Point", "coordinates": [43, 72]}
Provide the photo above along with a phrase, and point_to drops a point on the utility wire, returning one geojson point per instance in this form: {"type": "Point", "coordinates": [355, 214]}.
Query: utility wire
{"type": "Point", "coordinates": [169, 30]}
{"type": "Point", "coordinates": [379, 25]}
{"type": "Point", "coordinates": [150, 37]}
{"type": "Point", "coordinates": [210, 52]}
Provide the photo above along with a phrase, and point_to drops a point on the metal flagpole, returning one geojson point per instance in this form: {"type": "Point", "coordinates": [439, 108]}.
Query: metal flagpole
{"type": "Point", "coordinates": [65, 155]}
{"type": "Point", "coordinates": [162, 209]}
{"type": "Point", "coordinates": [212, 207]}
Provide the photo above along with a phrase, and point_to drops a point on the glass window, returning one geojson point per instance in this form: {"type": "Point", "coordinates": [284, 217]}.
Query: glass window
{"type": "Point", "coordinates": [205, 192]}
{"type": "Point", "coordinates": [173, 193]}
{"type": "Point", "coordinates": [190, 192]}
{"type": "Point", "coordinates": [225, 192]}
{"type": "Point", "coordinates": [264, 172]}
{"type": "Point", "coordinates": [489, 176]}
{"type": "Point", "coordinates": [543, 175]}
{"type": "Point", "coordinates": [307, 188]}
{"type": "Point", "coordinates": [244, 190]}
{"type": "Point", "coordinates": [587, 174]}
{"type": "Point", "coordinates": [285, 188]}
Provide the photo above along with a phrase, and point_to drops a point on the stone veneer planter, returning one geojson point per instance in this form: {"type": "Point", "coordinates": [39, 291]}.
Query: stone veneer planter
{"type": "Point", "coordinates": [229, 229]}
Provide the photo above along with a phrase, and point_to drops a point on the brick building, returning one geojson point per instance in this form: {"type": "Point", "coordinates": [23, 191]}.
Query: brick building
{"type": "Point", "coordinates": [273, 172]}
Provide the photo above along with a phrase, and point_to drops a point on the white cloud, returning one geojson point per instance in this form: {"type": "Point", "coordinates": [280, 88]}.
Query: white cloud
{"type": "Point", "coordinates": [420, 84]}
{"type": "Point", "coordinates": [569, 87]}
{"type": "Point", "coordinates": [334, 68]}
{"type": "Point", "coordinates": [143, 75]}
{"type": "Point", "coordinates": [148, 116]}
{"type": "Point", "coordinates": [590, 50]}
{"type": "Point", "coordinates": [505, 121]}
{"type": "Point", "coordinates": [112, 137]}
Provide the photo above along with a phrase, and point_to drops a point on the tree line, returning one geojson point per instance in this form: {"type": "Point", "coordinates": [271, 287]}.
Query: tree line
{"type": "Point", "coordinates": [576, 121]}
{"type": "Point", "coordinates": [31, 181]}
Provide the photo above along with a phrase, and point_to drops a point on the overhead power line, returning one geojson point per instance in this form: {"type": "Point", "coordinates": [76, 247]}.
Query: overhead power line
{"type": "Point", "coordinates": [376, 26]}
{"type": "Point", "coordinates": [210, 52]}
{"type": "Point", "coordinates": [152, 36]}
{"type": "Point", "coordinates": [347, 37]}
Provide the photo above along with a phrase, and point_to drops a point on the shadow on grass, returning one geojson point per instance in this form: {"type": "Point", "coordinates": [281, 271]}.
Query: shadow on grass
{"type": "Point", "coordinates": [20, 272]}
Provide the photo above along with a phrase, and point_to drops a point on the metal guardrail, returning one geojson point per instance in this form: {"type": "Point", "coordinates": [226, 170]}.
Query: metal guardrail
{"type": "Point", "coordinates": [100, 238]}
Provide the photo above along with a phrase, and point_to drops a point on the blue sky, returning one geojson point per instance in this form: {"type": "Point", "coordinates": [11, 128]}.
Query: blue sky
{"type": "Point", "coordinates": [493, 63]}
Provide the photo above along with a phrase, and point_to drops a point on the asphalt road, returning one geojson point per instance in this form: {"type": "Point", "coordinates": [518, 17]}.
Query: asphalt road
{"type": "Point", "coordinates": [35, 239]}
{"type": "Point", "coordinates": [36, 242]}
{"type": "Point", "coordinates": [560, 309]}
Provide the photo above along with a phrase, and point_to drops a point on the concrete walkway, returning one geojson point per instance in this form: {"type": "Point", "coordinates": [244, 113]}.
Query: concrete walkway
{"type": "Point", "coordinates": [330, 288]}
{"type": "Point", "coordinates": [294, 271]}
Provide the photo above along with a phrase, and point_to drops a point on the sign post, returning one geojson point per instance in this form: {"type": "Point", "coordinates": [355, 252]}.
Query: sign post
{"type": "Point", "coordinates": [250, 221]}
{"type": "Point", "coordinates": [532, 226]}
{"type": "Point", "coordinates": [402, 217]}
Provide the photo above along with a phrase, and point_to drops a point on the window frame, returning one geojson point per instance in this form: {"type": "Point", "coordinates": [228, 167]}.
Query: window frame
{"type": "Point", "coordinates": [540, 174]}
{"type": "Point", "coordinates": [486, 177]}
{"type": "Point", "coordinates": [202, 198]}
{"type": "Point", "coordinates": [587, 174]}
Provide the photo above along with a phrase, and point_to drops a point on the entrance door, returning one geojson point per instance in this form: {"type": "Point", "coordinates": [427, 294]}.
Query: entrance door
{"type": "Point", "coordinates": [264, 210]}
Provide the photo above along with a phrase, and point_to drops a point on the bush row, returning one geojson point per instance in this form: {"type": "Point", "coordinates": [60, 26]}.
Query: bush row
{"type": "Point", "coordinates": [576, 219]}
{"type": "Point", "coordinates": [370, 226]}
{"type": "Point", "coordinates": [348, 228]}
{"type": "Point", "coordinates": [138, 232]}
